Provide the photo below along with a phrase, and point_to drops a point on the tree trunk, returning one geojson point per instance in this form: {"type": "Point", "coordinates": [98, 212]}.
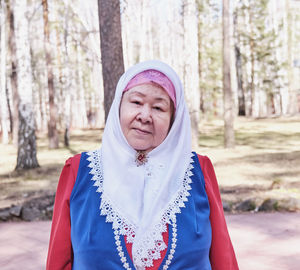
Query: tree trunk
{"type": "Point", "coordinates": [13, 75]}
{"type": "Point", "coordinates": [111, 48]}
{"type": "Point", "coordinates": [239, 71]}
{"type": "Point", "coordinates": [3, 76]}
{"type": "Point", "coordinates": [292, 109]}
{"type": "Point", "coordinates": [229, 139]}
{"type": "Point", "coordinates": [191, 72]}
{"type": "Point", "coordinates": [52, 130]}
{"type": "Point", "coordinates": [26, 133]}
{"type": "Point", "coordinates": [9, 111]}
{"type": "Point", "coordinates": [200, 49]}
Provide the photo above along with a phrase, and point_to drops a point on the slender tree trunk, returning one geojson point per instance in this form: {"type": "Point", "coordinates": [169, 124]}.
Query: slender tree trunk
{"type": "Point", "coordinates": [191, 73]}
{"type": "Point", "coordinates": [26, 133]}
{"type": "Point", "coordinates": [229, 139]}
{"type": "Point", "coordinates": [252, 60]}
{"type": "Point", "coordinates": [111, 48]}
{"type": "Point", "coordinates": [292, 109]}
{"type": "Point", "coordinates": [200, 45]}
{"type": "Point", "coordinates": [66, 82]}
{"type": "Point", "coordinates": [3, 75]}
{"type": "Point", "coordinates": [239, 71]}
{"type": "Point", "coordinates": [52, 130]}
{"type": "Point", "coordinates": [80, 95]}
{"type": "Point", "coordinates": [9, 111]}
{"type": "Point", "coordinates": [13, 75]}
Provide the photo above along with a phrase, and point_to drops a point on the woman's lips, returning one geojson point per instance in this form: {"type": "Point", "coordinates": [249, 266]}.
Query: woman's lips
{"type": "Point", "coordinates": [141, 131]}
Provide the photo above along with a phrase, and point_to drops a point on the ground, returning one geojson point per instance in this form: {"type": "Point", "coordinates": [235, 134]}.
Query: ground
{"type": "Point", "coordinates": [265, 164]}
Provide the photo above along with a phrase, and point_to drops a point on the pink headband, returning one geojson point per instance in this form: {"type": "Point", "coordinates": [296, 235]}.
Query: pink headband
{"type": "Point", "coordinates": [153, 76]}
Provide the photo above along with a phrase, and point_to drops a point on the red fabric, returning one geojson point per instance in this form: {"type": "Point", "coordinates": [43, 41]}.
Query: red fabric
{"type": "Point", "coordinates": [222, 256]}
{"type": "Point", "coordinates": [156, 263]}
{"type": "Point", "coordinates": [60, 254]}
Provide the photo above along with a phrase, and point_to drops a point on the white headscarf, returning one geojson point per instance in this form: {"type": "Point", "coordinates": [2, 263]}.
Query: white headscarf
{"type": "Point", "coordinates": [140, 201]}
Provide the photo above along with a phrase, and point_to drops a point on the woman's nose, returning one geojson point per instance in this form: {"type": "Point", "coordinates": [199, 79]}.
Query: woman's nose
{"type": "Point", "coordinates": [145, 114]}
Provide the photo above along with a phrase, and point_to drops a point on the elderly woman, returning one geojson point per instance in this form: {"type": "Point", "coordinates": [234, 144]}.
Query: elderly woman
{"type": "Point", "coordinates": [144, 200]}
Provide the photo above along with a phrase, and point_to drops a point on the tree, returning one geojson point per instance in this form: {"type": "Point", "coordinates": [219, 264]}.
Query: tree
{"type": "Point", "coordinates": [26, 133]}
{"type": "Point", "coordinates": [229, 139]}
{"type": "Point", "coordinates": [3, 73]}
{"type": "Point", "coordinates": [238, 65]}
{"type": "Point", "coordinates": [191, 73]}
{"type": "Point", "coordinates": [52, 130]}
{"type": "Point", "coordinates": [111, 48]}
{"type": "Point", "coordinates": [13, 74]}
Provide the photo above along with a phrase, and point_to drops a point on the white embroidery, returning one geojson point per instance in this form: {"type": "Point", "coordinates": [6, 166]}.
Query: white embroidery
{"type": "Point", "coordinates": [152, 243]}
{"type": "Point", "coordinates": [120, 251]}
{"type": "Point", "coordinates": [173, 246]}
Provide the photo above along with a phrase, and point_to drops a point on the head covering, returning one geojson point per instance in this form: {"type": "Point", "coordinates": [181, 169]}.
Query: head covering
{"type": "Point", "coordinates": [140, 201]}
{"type": "Point", "coordinates": [153, 76]}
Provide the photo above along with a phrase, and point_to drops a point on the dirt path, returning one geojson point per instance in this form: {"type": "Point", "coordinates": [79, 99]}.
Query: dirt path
{"type": "Point", "coordinates": [266, 241]}
{"type": "Point", "coordinates": [261, 241]}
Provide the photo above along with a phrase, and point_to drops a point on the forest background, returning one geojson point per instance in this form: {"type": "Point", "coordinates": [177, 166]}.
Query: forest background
{"type": "Point", "coordinates": [240, 66]}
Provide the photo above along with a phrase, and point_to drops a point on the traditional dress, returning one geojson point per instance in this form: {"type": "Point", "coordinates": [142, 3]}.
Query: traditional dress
{"type": "Point", "coordinates": [163, 214]}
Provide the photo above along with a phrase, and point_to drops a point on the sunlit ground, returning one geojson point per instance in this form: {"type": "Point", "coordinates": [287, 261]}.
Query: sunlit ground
{"type": "Point", "coordinates": [265, 161]}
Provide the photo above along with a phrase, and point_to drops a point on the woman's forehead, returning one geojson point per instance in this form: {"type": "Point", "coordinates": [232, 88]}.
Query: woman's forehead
{"type": "Point", "coordinates": [149, 90]}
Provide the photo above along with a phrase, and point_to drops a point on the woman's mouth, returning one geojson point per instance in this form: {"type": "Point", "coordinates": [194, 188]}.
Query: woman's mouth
{"type": "Point", "coordinates": [142, 131]}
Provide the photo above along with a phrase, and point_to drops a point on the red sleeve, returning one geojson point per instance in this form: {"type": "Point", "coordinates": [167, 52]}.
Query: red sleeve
{"type": "Point", "coordinates": [60, 254]}
{"type": "Point", "coordinates": [222, 255]}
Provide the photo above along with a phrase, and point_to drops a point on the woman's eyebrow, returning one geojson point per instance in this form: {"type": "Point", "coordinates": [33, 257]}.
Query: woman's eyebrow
{"type": "Point", "coordinates": [161, 99]}
{"type": "Point", "coordinates": [137, 93]}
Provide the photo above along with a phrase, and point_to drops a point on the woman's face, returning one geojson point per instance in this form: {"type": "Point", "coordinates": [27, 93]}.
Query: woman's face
{"type": "Point", "coordinates": [145, 116]}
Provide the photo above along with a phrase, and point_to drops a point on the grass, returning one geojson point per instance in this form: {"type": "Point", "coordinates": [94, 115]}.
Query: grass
{"type": "Point", "coordinates": [264, 163]}
{"type": "Point", "coordinates": [17, 186]}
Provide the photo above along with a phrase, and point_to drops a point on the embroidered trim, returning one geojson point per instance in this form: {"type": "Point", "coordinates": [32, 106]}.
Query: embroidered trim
{"type": "Point", "coordinates": [120, 251]}
{"type": "Point", "coordinates": [152, 243]}
{"type": "Point", "coordinates": [173, 247]}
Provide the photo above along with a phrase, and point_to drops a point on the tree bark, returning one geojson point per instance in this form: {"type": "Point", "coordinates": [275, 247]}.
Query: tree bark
{"type": "Point", "coordinates": [229, 139]}
{"type": "Point", "coordinates": [13, 75]}
{"type": "Point", "coordinates": [239, 68]}
{"type": "Point", "coordinates": [191, 72]}
{"type": "Point", "coordinates": [4, 110]}
{"type": "Point", "coordinates": [52, 130]}
{"type": "Point", "coordinates": [292, 109]}
{"type": "Point", "coordinates": [111, 48]}
{"type": "Point", "coordinates": [26, 133]}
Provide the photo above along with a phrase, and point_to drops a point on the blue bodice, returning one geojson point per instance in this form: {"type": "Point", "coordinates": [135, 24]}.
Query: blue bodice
{"type": "Point", "coordinates": [94, 240]}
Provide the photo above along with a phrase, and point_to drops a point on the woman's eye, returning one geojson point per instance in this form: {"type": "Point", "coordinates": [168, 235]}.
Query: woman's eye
{"type": "Point", "coordinates": [136, 102]}
{"type": "Point", "coordinates": [157, 108]}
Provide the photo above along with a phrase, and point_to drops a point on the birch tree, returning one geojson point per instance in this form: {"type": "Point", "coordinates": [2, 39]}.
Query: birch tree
{"type": "Point", "coordinates": [13, 73]}
{"type": "Point", "coordinates": [227, 91]}
{"type": "Point", "coordinates": [190, 75]}
{"type": "Point", "coordinates": [238, 67]}
{"type": "Point", "coordinates": [3, 73]}
{"type": "Point", "coordinates": [26, 133]}
{"type": "Point", "coordinates": [52, 130]}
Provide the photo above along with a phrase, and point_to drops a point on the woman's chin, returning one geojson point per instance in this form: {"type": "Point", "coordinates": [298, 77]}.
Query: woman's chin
{"type": "Point", "coordinates": [141, 148]}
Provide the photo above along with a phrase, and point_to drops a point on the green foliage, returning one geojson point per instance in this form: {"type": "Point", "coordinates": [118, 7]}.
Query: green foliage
{"type": "Point", "coordinates": [261, 45]}
{"type": "Point", "coordinates": [210, 53]}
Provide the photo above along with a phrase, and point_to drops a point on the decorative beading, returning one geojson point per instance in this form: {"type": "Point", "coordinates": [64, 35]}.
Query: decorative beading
{"type": "Point", "coordinates": [173, 247]}
{"type": "Point", "coordinates": [151, 244]}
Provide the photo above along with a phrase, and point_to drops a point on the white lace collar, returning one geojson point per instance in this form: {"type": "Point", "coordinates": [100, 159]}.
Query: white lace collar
{"type": "Point", "coordinates": [152, 243]}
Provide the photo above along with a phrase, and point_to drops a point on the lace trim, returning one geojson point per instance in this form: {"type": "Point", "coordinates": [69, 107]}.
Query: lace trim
{"type": "Point", "coordinates": [151, 244]}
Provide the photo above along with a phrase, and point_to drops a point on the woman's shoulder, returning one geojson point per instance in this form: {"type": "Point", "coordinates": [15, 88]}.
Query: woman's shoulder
{"type": "Point", "coordinates": [204, 161]}
{"type": "Point", "coordinates": [73, 161]}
